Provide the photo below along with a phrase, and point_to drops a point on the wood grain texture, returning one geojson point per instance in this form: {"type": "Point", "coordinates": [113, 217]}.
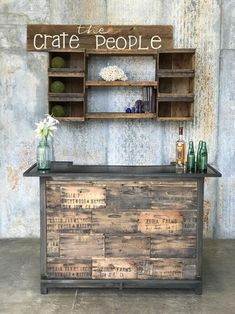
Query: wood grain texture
{"type": "Point", "coordinates": [114, 268]}
{"type": "Point", "coordinates": [173, 246]}
{"type": "Point", "coordinates": [127, 246]}
{"type": "Point", "coordinates": [88, 41]}
{"type": "Point", "coordinates": [53, 244]}
{"type": "Point", "coordinates": [81, 246]}
{"type": "Point", "coordinates": [104, 221]}
{"type": "Point", "coordinates": [75, 268]}
{"type": "Point", "coordinates": [167, 268]}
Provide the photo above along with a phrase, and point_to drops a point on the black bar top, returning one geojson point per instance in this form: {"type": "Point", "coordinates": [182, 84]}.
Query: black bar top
{"type": "Point", "coordinates": [68, 169]}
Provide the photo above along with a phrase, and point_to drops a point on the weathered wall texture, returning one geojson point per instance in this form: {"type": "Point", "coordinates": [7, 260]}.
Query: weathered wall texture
{"type": "Point", "coordinates": [204, 24]}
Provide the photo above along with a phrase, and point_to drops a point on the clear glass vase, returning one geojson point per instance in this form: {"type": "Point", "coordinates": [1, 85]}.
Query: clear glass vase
{"type": "Point", "coordinates": [43, 155]}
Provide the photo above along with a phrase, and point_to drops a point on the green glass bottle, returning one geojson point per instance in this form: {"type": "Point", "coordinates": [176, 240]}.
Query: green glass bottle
{"type": "Point", "coordinates": [191, 158]}
{"type": "Point", "coordinates": [203, 158]}
{"type": "Point", "coordinates": [199, 155]}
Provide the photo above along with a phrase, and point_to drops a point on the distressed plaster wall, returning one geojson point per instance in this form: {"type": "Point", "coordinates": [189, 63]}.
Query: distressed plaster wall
{"type": "Point", "coordinates": [203, 24]}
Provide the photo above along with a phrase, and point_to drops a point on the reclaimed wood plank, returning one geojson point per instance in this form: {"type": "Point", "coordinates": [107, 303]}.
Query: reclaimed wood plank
{"type": "Point", "coordinates": [127, 246]}
{"type": "Point", "coordinates": [167, 268]}
{"type": "Point", "coordinates": [70, 268]}
{"type": "Point", "coordinates": [104, 221]}
{"type": "Point", "coordinates": [70, 221]}
{"type": "Point", "coordinates": [53, 244]}
{"type": "Point", "coordinates": [167, 222]}
{"type": "Point", "coordinates": [173, 246]}
{"type": "Point", "coordinates": [68, 195]}
{"type": "Point", "coordinates": [114, 268]}
{"type": "Point", "coordinates": [81, 245]}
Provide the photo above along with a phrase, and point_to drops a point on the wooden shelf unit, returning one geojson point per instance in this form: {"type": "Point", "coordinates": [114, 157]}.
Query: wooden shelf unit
{"type": "Point", "coordinates": [176, 69]}
{"type": "Point", "coordinates": [172, 89]}
{"type": "Point", "coordinates": [73, 78]}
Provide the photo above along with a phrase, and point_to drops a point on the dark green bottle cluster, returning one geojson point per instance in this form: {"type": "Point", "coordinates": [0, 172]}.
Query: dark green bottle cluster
{"type": "Point", "coordinates": [198, 164]}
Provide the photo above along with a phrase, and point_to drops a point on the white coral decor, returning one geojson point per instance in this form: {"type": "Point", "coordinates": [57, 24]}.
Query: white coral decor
{"type": "Point", "coordinates": [113, 73]}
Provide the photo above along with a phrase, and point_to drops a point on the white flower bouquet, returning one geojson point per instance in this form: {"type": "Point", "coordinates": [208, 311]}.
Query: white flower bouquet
{"type": "Point", "coordinates": [46, 127]}
{"type": "Point", "coordinates": [112, 73]}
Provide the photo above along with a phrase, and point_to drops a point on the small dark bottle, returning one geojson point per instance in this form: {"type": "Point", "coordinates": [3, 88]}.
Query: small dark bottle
{"type": "Point", "coordinates": [191, 158]}
{"type": "Point", "coordinates": [203, 158]}
{"type": "Point", "coordinates": [199, 155]}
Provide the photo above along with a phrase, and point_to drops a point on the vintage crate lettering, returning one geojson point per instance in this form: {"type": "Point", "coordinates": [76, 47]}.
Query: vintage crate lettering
{"type": "Point", "coordinates": [167, 268]}
{"type": "Point", "coordinates": [160, 222]}
{"type": "Point", "coordinates": [54, 193]}
{"type": "Point", "coordinates": [81, 245]}
{"type": "Point", "coordinates": [71, 221]}
{"type": "Point", "coordinates": [82, 197]}
{"type": "Point", "coordinates": [79, 269]}
{"type": "Point", "coordinates": [127, 246]}
{"type": "Point", "coordinates": [113, 268]}
{"type": "Point", "coordinates": [110, 222]}
{"type": "Point", "coordinates": [53, 244]}
{"type": "Point", "coordinates": [173, 246]}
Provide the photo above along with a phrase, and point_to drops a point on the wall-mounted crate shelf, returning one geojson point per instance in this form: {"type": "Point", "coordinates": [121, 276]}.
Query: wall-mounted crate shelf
{"type": "Point", "coordinates": [172, 89]}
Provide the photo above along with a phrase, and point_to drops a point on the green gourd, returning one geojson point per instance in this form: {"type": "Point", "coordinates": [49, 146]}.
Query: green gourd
{"type": "Point", "coordinates": [58, 111]}
{"type": "Point", "coordinates": [57, 62]}
{"type": "Point", "coordinates": [57, 87]}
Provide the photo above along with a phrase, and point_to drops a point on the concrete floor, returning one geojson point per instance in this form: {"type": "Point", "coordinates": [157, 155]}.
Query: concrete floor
{"type": "Point", "coordinates": [20, 289]}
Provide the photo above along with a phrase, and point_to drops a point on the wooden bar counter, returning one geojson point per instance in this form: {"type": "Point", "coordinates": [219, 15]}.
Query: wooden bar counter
{"type": "Point", "coordinates": [120, 226]}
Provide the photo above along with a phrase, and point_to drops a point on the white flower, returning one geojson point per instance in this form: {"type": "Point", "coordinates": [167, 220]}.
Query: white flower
{"type": "Point", "coordinates": [112, 73]}
{"type": "Point", "coordinates": [46, 127]}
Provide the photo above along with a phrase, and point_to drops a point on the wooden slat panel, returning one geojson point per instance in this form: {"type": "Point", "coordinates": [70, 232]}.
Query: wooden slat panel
{"type": "Point", "coordinates": [81, 246]}
{"type": "Point", "coordinates": [127, 246]}
{"type": "Point", "coordinates": [167, 268]}
{"type": "Point", "coordinates": [114, 268]}
{"type": "Point", "coordinates": [173, 246]}
{"type": "Point", "coordinates": [75, 268]}
{"type": "Point", "coordinates": [71, 221]}
{"type": "Point", "coordinates": [167, 222]}
{"type": "Point", "coordinates": [110, 222]}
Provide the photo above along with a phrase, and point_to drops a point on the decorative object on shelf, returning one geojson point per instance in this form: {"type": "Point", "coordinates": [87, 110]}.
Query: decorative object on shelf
{"type": "Point", "coordinates": [58, 111]}
{"type": "Point", "coordinates": [202, 166]}
{"type": "Point", "coordinates": [57, 62]}
{"type": "Point", "coordinates": [191, 158]}
{"type": "Point", "coordinates": [139, 106]}
{"type": "Point", "coordinates": [112, 73]}
{"type": "Point", "coordinates": [44, 132]}
{"type": "Point", "coordinates": [57, 87]}
{"type": "Point", "coordinates": [128, 110]}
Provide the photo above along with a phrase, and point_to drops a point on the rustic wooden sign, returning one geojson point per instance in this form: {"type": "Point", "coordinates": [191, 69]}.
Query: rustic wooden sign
{"type": "Point", "coordinates": [142, 38]}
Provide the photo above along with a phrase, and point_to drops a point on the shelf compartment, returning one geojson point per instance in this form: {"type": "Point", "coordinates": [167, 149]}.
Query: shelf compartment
{"type": "Point", "coordinates": [72, 84]}
{"type": "Point", "coordinates": [175, 110]}
{"type": "Point", "coordinates": [176, 59]}
{"type": "Point", "coordinates": [121, 83]}
{"type": "Point", "coordinates": [73, 110]}
{"type": "Point", "coordinates": [73, 60]}
{"type": "Point", "coordinates": [176, 86]}
{"type": "Point", "coordinates": [119, 115]}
